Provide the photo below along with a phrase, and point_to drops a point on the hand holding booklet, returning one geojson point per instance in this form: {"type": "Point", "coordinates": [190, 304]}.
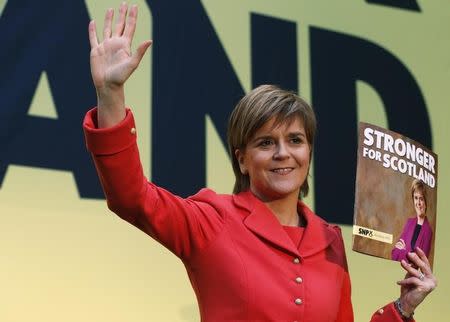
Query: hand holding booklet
{"type": "Point", "coordinates": [395, 195]}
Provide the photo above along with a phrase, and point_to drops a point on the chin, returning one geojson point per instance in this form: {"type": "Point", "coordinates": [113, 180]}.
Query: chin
{"type": "Point", "coordinates": [283, 192]}
{"type": "Point", "coordinates": [276, 190]}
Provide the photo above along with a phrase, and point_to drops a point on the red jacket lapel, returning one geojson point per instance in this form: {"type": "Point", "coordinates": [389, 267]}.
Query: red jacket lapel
{"type": "Point", "coordinates": [262, 222]}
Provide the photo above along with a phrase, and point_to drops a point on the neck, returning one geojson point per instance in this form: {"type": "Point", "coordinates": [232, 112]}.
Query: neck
{"type": "Point", "coordinates": [285, 210]}
{"type": "Point", "coordinates": [420, 219]}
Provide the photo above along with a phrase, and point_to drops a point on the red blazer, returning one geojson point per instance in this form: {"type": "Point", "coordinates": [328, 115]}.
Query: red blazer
{"type": "Point", "coordinates": [241, 263]}
{"type": "Point", "coordinates": [423, 240]}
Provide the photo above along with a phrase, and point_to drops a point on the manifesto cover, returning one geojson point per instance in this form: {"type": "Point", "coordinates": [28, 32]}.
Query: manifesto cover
{"type": "Point", "coordinates": [395, 195]}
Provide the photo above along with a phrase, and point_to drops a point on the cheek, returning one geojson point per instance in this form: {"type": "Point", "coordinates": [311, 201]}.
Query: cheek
{"type": "Point", "coordinates": [305, 158]}
{"type": "Point", "coordinates": [258, 160]}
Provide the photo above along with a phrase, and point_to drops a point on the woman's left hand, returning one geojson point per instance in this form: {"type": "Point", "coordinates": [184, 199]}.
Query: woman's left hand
{"type": "Point", "coordinates": [418, 283]}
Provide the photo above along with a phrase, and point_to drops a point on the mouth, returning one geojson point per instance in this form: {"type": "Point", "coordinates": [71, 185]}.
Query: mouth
{"type": "Point", "coordinates": [282, 170]}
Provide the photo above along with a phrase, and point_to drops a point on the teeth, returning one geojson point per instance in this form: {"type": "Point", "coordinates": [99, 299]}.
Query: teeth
{"type": "Point", "coordinates": [282, 171]}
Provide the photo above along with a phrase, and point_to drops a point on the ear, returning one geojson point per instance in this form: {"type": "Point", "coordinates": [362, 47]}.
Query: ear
{"type": "Point", "coordinates": [241, 160]}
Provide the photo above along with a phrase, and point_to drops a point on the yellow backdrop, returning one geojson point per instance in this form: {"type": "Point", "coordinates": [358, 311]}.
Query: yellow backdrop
{"type": "Point", "coordinates": [63, 258]}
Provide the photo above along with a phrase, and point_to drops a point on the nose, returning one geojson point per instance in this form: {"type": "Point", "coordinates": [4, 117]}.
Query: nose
{"type": "Point", "coordinates": [281, 152]}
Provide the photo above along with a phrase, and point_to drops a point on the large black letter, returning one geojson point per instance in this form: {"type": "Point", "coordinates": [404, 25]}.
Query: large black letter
{"type": "Point", "coordinates": [274, 52]}
{"type": "Point", "coordinates": [51, 37]}
{"type": "Point", "coordinates": [192, 77]}
{"type": "Point", "coordinates": [337, 62]}
{"type": "Point", "coordinates": [402, 4]}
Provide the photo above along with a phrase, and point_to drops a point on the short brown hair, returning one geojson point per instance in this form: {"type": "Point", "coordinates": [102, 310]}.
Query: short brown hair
{"type": "Point", "coordinates": [253, 111]}
{"type": "Point", "coordinates": [419, 185]}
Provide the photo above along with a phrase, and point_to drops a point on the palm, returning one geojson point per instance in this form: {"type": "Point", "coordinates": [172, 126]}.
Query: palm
{"type": "Point", "coordinates": [416, 293]}
{"type": "Point", "coordinates": [111, 62]}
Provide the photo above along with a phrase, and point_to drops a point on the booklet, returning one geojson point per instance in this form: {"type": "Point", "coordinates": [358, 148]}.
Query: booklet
{"type": "Point", "coordinates": [395, 195]}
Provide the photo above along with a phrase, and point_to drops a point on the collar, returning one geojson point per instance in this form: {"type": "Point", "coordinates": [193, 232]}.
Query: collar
{"type": "Point", "coordinates": [317, 236]}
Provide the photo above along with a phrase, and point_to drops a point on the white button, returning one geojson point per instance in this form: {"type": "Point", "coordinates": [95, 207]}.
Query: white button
{"type": "Point", "coordinates": [380, 311]}
{"type": "Point", "coordinates": [133, 130]}
{"type": "Point", "coordinates": [296, 260]}
{"type": "Point", "coordinates": [299, 280]}
{"type": "Point", "coordinates": [298, 301]}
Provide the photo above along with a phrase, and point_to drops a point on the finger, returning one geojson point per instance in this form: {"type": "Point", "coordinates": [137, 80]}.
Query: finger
{"type": "Point", "coordinates": [93, 35]}
{"type": "Point", "coordinates": [410, 269]}
{"type": "Point", "coordinates": [410, 281]}
{"type": "Point", "coordinates": [427, 269]}
{"type": "Point", "coordinates": [120, 25]}
{"type": "Point", "coordinates": [131, 24]}
{"type": "Point", "coordinates": [140, 52]}
{"type": "Point", "coordinates": [422, 255]}
{"type": "Point", "coordinates": [414, 258]}
{"type": "Point", "coordinates": [108, 23]}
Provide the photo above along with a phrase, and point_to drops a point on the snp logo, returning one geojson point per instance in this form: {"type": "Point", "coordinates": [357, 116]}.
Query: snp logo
{"type": "Point", "coordinates": [365, 232]}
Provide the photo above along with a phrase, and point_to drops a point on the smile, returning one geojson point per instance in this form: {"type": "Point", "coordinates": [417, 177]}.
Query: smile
{"type": "Point", "coordinates": [282, 170]}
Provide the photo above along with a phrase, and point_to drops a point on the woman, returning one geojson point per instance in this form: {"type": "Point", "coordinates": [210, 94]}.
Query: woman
{"type": "Point", "coordinates": [417, 230]}
{"type": "Point", "coordinates": [274, 254]}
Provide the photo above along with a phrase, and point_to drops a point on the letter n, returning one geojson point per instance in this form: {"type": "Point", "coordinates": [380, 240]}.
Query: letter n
{"type": "Point", "coordinates": [337, 62]}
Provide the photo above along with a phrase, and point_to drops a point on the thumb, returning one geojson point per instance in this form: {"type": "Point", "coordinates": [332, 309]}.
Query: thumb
{"type": "Point", "coordinates": [140, 52]}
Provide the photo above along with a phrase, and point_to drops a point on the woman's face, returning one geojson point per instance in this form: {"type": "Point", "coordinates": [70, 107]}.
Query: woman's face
{"type": "Point", "coordinates": [419, 203]}
{"type": "Point", "coordinates": [276, 160]}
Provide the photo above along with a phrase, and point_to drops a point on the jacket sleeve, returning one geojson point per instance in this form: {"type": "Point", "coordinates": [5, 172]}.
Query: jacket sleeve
{"type": "Point", "coordinates": [388, 313]}
{"type": "Point", "coordinates": [399, 254]}
{"type": "Point", "coordinates": [345, 313]}
{"type": "Point", "coordinates": [345, 306]}
{"type": "Point", "coordinates": [184, 226]}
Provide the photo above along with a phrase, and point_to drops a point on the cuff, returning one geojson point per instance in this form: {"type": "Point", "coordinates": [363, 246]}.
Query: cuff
{"type": "Point", "coordinates": [109, 140]}
{"type": "Point", "coordinates": [390, 313]}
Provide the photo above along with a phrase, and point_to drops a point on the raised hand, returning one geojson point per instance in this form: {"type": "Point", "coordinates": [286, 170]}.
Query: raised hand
{"type": "Point", "coordinates": [419, 281]}
{"type": "Point", "coordinates": [112, 62]}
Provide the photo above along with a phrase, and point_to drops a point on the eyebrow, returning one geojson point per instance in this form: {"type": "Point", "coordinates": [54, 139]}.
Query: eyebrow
{"type": "Point", "coordinates": [297, 134]}
{"type": "Point", "coordinates": [290, 135]}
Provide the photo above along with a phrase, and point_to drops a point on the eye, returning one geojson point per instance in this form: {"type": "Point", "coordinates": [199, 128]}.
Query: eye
{"type": "Point", "coordinates": [265, 142]}
{"type": "Point", "coordinates": [296, 140]}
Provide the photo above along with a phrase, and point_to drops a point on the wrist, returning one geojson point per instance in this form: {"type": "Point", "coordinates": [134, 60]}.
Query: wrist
{"type": "Point", "coordinates": [405, 310]}
{"type": "Point", "coordinates": [111, 106]}
{"type": "Point", "coordinates": [110, 95]}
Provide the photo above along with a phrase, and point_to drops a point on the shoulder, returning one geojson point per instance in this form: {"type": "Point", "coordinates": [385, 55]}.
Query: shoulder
{"type": "Point", "coordinates": [321, 234]}
{"type": "Point", "coordinates": [209, 196]}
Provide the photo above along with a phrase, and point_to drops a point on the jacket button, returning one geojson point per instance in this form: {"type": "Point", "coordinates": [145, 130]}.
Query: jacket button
{"type": "Point", "coordinates": [133, 130]}
{"type": "Point", "coordinates": [296, 260]}
{"type": "Point", "coordinates": [298, 301]}
{"type": "Point", "coordinates": [380, 311]}
{"type": "Point", "coordinates": [299, 280]}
